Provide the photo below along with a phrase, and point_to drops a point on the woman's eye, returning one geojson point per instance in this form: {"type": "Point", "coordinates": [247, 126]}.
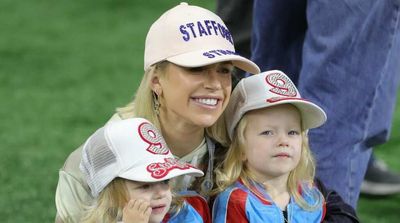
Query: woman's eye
{"type": "Point", "coordinates": [196, 69]}
{"type": "Point", "coordinates": [225, 70]}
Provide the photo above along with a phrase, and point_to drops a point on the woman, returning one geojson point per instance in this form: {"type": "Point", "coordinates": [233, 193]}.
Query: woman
{"type": "Point", "coordinates": [189, 58]}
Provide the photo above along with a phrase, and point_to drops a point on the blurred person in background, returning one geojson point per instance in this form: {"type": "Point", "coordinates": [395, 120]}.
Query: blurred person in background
{"type": "Point", "coordinates": [344, 58]}
{"type": "Point", "coordinates": [285, 30]}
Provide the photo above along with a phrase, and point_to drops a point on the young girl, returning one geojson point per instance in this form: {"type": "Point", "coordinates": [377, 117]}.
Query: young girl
{"type": "Point", "coordinates": [127, 166]}
{"type": "Point", "coordinates": [268, 172]}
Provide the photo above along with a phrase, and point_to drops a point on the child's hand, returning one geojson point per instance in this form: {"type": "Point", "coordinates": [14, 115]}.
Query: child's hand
{"type": "Point", "coordinates": [136, 211]}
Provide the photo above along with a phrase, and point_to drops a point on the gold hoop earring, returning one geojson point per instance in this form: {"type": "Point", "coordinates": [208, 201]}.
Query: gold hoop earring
{"type": "Point", "coordinates": [156, 103]}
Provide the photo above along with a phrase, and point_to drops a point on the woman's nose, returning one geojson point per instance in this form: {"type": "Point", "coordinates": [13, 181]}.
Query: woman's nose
{"type": "Point", "coordinates": [212, 80]}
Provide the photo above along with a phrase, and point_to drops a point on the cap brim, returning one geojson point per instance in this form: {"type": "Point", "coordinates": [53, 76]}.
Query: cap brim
{"type": "Point", "coordinates": [312, 115]}
{"type": "Point", "coordinates": [197, 59]}
{"type": "Point", "coordinates": [141, 174]}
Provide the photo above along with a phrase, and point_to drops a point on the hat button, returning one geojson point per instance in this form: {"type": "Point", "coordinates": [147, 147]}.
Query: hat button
{"type": "Point", "coordinates": [184, 3]}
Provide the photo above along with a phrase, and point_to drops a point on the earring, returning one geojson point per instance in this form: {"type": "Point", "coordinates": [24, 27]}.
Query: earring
{"type": "Point", "coordinates": [156, 103]}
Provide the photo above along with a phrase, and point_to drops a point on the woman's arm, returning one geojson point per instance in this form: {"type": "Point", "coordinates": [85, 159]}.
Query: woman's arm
{"type": "Point", "coordinates": [336, 209]}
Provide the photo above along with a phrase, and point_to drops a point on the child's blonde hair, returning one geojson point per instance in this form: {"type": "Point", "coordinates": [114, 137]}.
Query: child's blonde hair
{"type": "Point", "coordinates": [108, 206]}
{"type": "Point", "coordinates": [233, 168]}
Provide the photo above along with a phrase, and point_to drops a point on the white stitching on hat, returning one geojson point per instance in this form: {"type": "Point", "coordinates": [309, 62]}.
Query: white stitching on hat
{"type": "Point", "coordinates": [151, 135]}
{"type": "Point", "coordinates": [160, 170]}
{"type": "Point", "coordinates": [281, 85]}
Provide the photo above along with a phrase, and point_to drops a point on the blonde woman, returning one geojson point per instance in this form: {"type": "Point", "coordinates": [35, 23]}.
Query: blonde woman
{"type": "Point", "coordinates": [188, 61]}
{"type": "Point", "coordinates": [268, 172]}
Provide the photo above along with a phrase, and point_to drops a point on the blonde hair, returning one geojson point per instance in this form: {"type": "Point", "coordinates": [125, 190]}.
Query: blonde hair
{"type": "Point", "coordinates": [143, 102]}
{"type": "Point", "coordinates": [143, 105]}
{"type": "Point", "coordinates": [108, 206]}
{"type": "Point", "coordinates": [233, 168]}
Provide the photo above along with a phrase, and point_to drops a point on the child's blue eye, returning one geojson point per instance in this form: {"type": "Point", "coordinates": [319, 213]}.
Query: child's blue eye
{"type": "Point", "coordinates": [145, 186]}
{"type": "Point", "coordinates": [294, 132]}
{"type": "Point", "coordinates": [165, 182]}
{"type": "Point", "coordinates": [267, 132]}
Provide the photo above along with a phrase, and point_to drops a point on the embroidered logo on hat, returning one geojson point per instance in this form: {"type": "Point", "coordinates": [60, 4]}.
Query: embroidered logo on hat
{"type": "Point", "coordinates": [204, 28]}
{"type": "Point", "coordinates": [161, 169]}
{"type": "Point", "coordinates": [132, 149]}
{"type": "Point", "coordinates": [281, 84]}
{"type": "Point", "coordinates": [191, 36]}
{"type": "Point", "coordinates": [156, 142]}
{"type": "Point", "coordinates": [269, 89]}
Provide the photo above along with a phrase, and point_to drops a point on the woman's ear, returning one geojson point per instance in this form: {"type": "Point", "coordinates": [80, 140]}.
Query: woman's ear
{"type": "Point", "coordinates": [155, 84]}
{"type": "Point", "coordinates": [243, 156]}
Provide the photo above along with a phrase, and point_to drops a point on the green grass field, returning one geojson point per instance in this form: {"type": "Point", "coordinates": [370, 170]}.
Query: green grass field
{"type": "Point", "coordinates": [64, 67]}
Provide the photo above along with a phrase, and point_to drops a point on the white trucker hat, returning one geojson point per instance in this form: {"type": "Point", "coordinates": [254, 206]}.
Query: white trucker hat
{"type": "Point", "coordinates": [191, 36]}
{"type": "Point", "coordinates": [265, 90]}
{"type": "Point", "coordinates": [132, 149]}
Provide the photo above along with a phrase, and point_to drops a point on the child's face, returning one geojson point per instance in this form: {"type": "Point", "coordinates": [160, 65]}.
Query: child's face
{"type": "Point", "coordinates": [157, 194]}
{"type": "Point", "coordinates": [273, 141]}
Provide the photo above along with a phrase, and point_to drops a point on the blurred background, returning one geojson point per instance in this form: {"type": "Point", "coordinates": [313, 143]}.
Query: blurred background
{"type": "Point", "coordinates": [64, 68]}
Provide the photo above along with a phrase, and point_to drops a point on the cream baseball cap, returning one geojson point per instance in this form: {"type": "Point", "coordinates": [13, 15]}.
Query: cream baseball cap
{"type": "Point", "coordinates": [269, 89]}
{"type": "Point", "coordinates": [132, 149]}
{"type": "Point", "coordinates": [191, 36]}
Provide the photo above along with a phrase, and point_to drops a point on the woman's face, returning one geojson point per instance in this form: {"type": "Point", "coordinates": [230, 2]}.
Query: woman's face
{"type": "Point", "coordinates": [195, 96]}
{"type": "Point", "coordinates": [158, 195]}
